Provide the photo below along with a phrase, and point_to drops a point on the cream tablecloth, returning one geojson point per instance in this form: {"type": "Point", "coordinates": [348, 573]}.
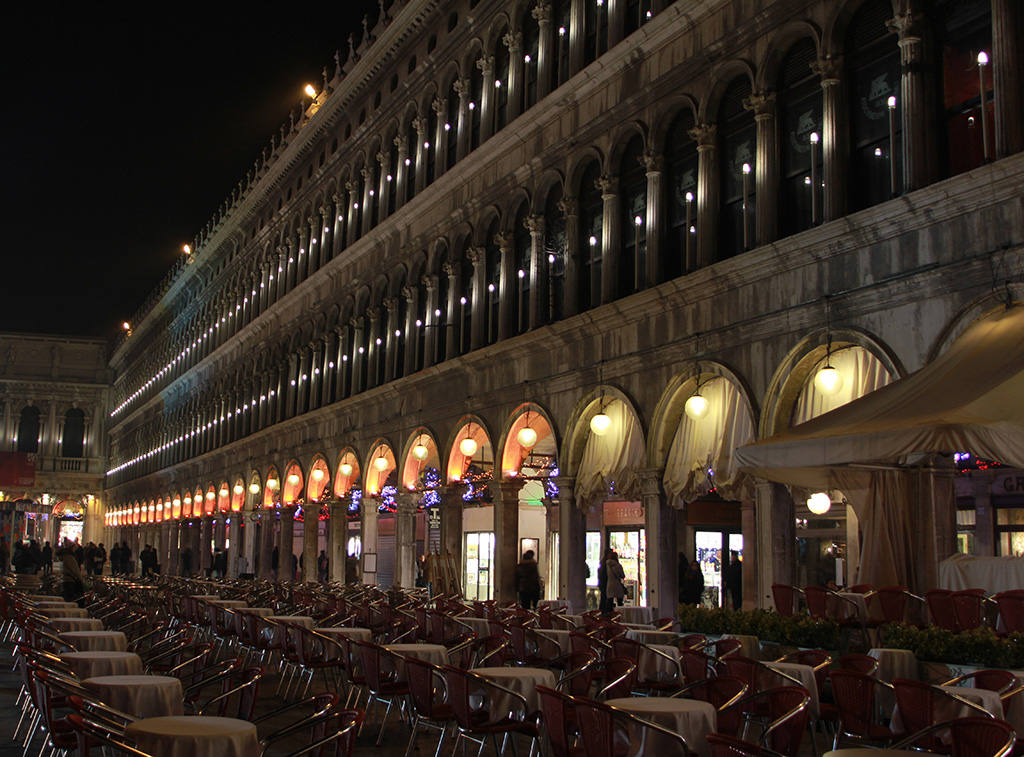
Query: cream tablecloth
{"type": "Point", "coordinates": [96, 641]}
{"type": "Point", "coordinates": [651, 637]}
{"type": "Point", "coordinates": [63, 612]}
{"type": "Point", "coordinates": [803, 673]}
{"type": "Point", "coordinates": [557, 635]}
{"type": "Point", "coordinates": [76, 624]}
{"type": "Point", "coordinates": [636, 614]}
{"type": "Point", "coordinates": [435, 654]}
{"type": "Point", "coordinates": [195, 736]}
{"type": "Point", "coordinates": [750, 646]}
{"type": "Point", "coordinates": [523, 681]}
{"type": "Point", "coordinates": [948, 709]}
{"type": "Point", "coordinates": [140, 696]}
{"type": "Point", "coordinates": [993, 574]}
{"type": "Point", "coordinates": [94, 664]}
{"type": "Point", "coordinates": [690, 718]}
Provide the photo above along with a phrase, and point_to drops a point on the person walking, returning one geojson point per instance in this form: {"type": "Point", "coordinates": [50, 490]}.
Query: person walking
{"type": "Point", "coordinates": [691, 590]}
{"type": "Point", "coordinates": [72, 584]}
{"type": "Point", "coordinates": [100, 559]}
{"type": "Point", "coordinates": [322, 563]}
{"type": "Point", "coordinates": [616, 589]}
{"type": "Point", "coordinates": [47, 558]}
{"type": "Point", "coordinates": [528, 581]}
{"type": "Point", "coordinates": [186, 562]}
{"type": "Point", "coordinates": [733, 579]}
{"type": "Point", "coordinates": [115, 559]}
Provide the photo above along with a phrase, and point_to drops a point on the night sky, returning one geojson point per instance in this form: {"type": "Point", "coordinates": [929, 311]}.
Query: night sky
{"type": "Point", "coordinates": [124, 128]}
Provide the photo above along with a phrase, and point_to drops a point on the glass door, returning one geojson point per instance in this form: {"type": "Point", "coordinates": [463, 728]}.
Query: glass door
{"type": "Point", "coordinates": [631, 547]}
{"type": "Point", "coordinates": [479, 551]}
{"type": "Point", "coordinates": [714, 564]}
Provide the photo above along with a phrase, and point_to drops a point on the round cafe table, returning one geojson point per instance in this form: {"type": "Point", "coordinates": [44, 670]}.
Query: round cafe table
{"type": "Point", "coordinates": [76, 624]}
{"type": "Point", "coordinates": [194, 736]}
{"type": "Point", "coordinates": [435, 654]}
{"type": "Point", "coordinates": [523, 681]}
{"type": "Point", "coordinates": [558, 635]}
{"type": "Point", "coordinates": [54, 605]}
{"type": "Point", "coordinates": [690, 718]}
{"type": "Point", "coordinates": [96, 641]}
{"type": "Point", "coordinates": [300, 620]}
{"type": "Point", "coordinates": [333, 651]}
{"type": "Point", "coordinates": [63, 612]}
{"type": "Point", "coordinates": [139, 696]}
{"type": "Point", "coordinates": [802, 673]}
{"type": "Point", "coordinates": [96, 664]}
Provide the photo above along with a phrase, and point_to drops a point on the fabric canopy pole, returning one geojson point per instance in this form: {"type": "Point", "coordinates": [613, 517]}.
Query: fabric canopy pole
{"type": "Point", "coordinates": [967, 399]}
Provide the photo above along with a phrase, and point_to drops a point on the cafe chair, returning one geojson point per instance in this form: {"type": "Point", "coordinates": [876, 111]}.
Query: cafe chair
{"type": "Point", "coordinates": [730, 746]}
{"type": "Point", "coordinates": [577, 671]}
{"type": "Point", "coordinates": [89, 733]}
{"type": "Point", "coordinates": [970, 607]}
{"type": "Point", "coordinates": [817, 659]}
{"type": "Point", "coordinates": [693, 641]}
{"type": "Point", "coordinates": [968, 737]}
{"type": "Point", "coordinates": [721, 692]}
{"type": "Point", "coordinates": [239, 694]}
{"type": "Point", "coordinates": [380, 668]}
{"type": "Point", "coordinates": [787, 599]}
{"type": "Point", "coordinates": [858, 663]}
{"type": "Point", "coordinates": [428, 692]}
{"type": "Point", "coordinates": [941, 610]}
{"type": "Point", "coordinates": [696, 665]}
{"type": "Point", "coordinates": [1003, 682]}
{"type": "Point", "coordinates": [854, 695]}
{"type": "Point", "coordinates": [917, 702]}
{"type": "Point", "coordinates": [476, 717]}
{"type": "Point", "coordinates": [607, 732]}
{"type": "Point", "coordinates": [723, 647]}
{"type": "Point", "coordinates": [559, 723]}
{"type": "Point", "coordinates": [787, 711]}
{"type": "Point", "coordinates": [619, 678]}
{"type": "Point", "coordinates": [892, 600]}
{"type": "Point", "coordinates": [1011, 610]}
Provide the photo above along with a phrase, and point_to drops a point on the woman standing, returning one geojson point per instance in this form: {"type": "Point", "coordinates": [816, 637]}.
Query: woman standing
{"type": "Point", "coordinates": [692, 589]}
{"type": "Point", "coordinates": [616, 589]}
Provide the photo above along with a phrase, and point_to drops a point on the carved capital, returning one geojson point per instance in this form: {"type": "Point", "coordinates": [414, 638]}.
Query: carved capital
{"type": "Point", "coordinates": [652, 162]}
{"type": "Point", "coordinates": [461, 87]}
{"type": "Point", "coordinates": [409, 293]}
{"type": "Point", "coordinates": [569, 206]}
{"type": "Point", "coordinates": [429, 281]}
{"type": "Point", "coordinates": [391, 303]}
{"type": "Point", "coordinates": [907, 26]}
{"type": "Point", "coordinates": [476, 255]}
{"type": "Point", "coordinates": [351, 187]}
{"type": "Point", "coordinates": [828, 68]}
{"type": "Point", "coordinates": [534, 223]}
{"type": "Point", "coordinates": [419, 124]}
{"type": "Point", "coordinates": [513, 41]}
{"type": "Point", "coordinates": [704, 134]}
{"type": "Point", "coordinates": [762, 104]}
{"type": "Point", "coordinates": [450, 270]}
{"type": "Point", "coordinates": [440, 106]}
{"type": "Point", "coordinates": [367, 172]}
{"type": "Point", "coordinates": [608, 185]}
{"type": "Point", "coordinates": [504, 240]}
{"type": "Point", "coordinates": [402, 143]}
{"type": "Point", "coordinates": [486, 65]}
{"type": "Point", "coordinates": [373, 314]}
{"type": "Point", "coordinates": [542, 12]}
{"type": "Point", "coordinates": [356, 322]}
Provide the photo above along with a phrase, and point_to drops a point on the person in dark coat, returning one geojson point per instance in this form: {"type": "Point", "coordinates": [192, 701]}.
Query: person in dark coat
{"type": "Point", "coordinates": [220, 563]}
{"type": "Point", "coordinates": [126, 558]}
{"type": "Point", "coordinates": [186, 562]}
{"type": "Point", "coordinates": [47, 558]}
{"type": "Point", "coordinates": [602, 585]}
{"type": "Point", "coordinates": [22, 560]}
{"type": "Point", "coordinates": [275, 561]}
{"type": "Point", "coordinates": [115, 559]}
{"type": "Point", "coordinates": [733, 579]}
{"type": "Point", "coordinates": [37, 555]}
{"type": "Point", "coordinates": [528, 581]}
{"type": "Point", "coordinates": [691, 590]}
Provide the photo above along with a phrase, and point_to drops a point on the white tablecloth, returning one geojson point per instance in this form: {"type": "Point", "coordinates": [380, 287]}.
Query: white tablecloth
{"type": "Point", "coordinates": [435, 654]}
{"type": "Point", "coordinates": [523, 681]}
{"type": "Point", "coordinates": [333, 650]}
{"type": "Point", "coordinates": [651, 637]}
{"type": "Point", "coordinates": [993, 574]}
{"type": "Point", "coordinates": [195, 736]}
{"type": "Point", "coordinates": [140, 696]}
{"type": "Point", "coordinates": [76, 624]}
{"type": "Point", "coordinates": [803, 673]}
{"type": "Point", "coordinates": [63, 612]}
{"type": "Point", "coordinates": [559, 636]}
{"type": "Point", "coordinates": [96, 641]}
{"type": "Point", "coordinates": [895, 663]}
{"type": "Point", "coordinates": [948, 709]}
{"type": "Point", "coordinates": [750, 646]}
{"type": "Point", "coordinates": [52, 604]}
{"type": "Point", "coordinates": [690, 718]}
{"type": "Point", "coordinates": [477, 625]}
{"type": "Point", "coordinates": [636, 614]}
{"type": "Point", "coordinates": [844, 610]}
{"type": "Point", "coordinates": [299, 620]}
{"type": "Point", "coordinates": [658, 667]}
{"type": "Point", "coordinates": [93, 664]}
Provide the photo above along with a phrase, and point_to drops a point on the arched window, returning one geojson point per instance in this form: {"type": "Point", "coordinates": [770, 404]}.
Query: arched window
{"type": "Point", "coordinates": [28, 429]}
{"type": "Point", "coordinates": [522, 244]}
{"type": "Point", "coordinates": [737, 148]}
{"type": "Point", "coordinates": [492, 293]}
{"type": "Point", "coordinates": [410, 160]}
{"type": "Point", "coordinates": [638, 13]}
{"type": "Point", "coordinates": [555, 248]}
{"type": "Point", "coordinates": [429, 148]}
{"type": "Point", "coordinates": [591, 210]}
{"type": "Point", "coordinates": [452, 129]}
{"type": "Point", "coordinates": [72, 443]}
{"type": "Point", "coordinates": [681, 169]}
{"type": "Point", "coordinates": [596, 40]}
{"type": "Point", "coordinates": [476, 89]}
{"type": "Point", "coordinates": [531, 60]}
{"type": "Point", "coordinates": [964, 29]}
{"type": "Point", "coordinates": [633, 207]}
{"type": "Point", "coordinates": [799, 116]}
{"type": "Point", "coordinates": [873, 59]}
{"type": "Point", "coordinates": [464, 305]}
{"type": "Point", "coordinates": [561, 12]}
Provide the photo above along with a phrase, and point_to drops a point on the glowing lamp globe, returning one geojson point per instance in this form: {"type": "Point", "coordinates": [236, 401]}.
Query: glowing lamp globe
{"type": "Point", "coordinates": [346, 469]}
{"type": "Point", "coordinates": [239, 489]}
{"type": "Point", "coordinates": [318, 475]}
{"type": "Point", "coordinates": [272, 483]}
{"type": "Point", "coordinates": [828, 380]}
{"type": "Point", "coordinates": [468, 447]}
{"type": "Point", "coordinates": [211, 495]}
{"type": "Point", "coordinates": [188, 500]}
{"type": "Point", "coordinates": [600, 423]}
{"type": "Point", "coordinates": [254, 488]}
{"type": "Point", "coordinates": [819, 503]}
{"type": "Point", "coordinates": [380, 463]}
{"type": "Point", "coordinates": [696, 407]}
{"type": "Point", "coordinates": [420, 452]}
{"type": "Point", "coordinates": [293, 479]}
{"type": "Point", "coordinates": [222, 493]}
{"type": "Point", "coordinates": [527, 437]}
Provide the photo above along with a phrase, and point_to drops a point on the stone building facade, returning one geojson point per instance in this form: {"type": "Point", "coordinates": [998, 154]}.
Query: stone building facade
{"type": "Point", "coordinates": [506, 216]}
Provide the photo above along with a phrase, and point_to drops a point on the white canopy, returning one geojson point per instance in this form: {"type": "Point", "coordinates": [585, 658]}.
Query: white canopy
{"type": "Point", "coordinates": [969, 399]}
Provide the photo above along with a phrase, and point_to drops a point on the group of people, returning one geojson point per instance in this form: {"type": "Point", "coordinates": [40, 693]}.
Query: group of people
{"type": "Point", "coordinates": [28, 557]}
{"type": "Point", "coordinates": [121, 559]}
{"type": "Point", "coordinates": [691, 582]}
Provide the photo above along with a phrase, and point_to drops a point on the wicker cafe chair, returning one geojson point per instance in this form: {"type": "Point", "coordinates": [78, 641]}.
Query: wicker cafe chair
{"type": "Point", "coordinates": [855, 698]}
{"type": "Point", "coordinates": [787, 599]}
{"type": "Point", "coordinates": [558, 723]}
{"type": "Point", "coordinates": [917, 701]}
{"type": "Point", "coordinates": [969, 737]}
{"type": "Point", "coordinates": [721, 692]}
{"type": "Point", "coordinates": [428, 691]}
{"type": "Point", "coordinates": [607, 732]}
{"type": "Point", "coordinates": [476, 722]}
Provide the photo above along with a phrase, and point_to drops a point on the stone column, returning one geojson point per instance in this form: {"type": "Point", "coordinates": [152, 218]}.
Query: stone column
{"type": "Point", "coordinates": [410, 364]}
{"type": "Point", "coordinates": [293, 386]}
{"type": "Point", "coordinates": [337, 542]}
{"type": "Point", "coordinates": [919, 165]}
{"type": "Point", "coordinates": [267, 541]}
{"type": "Point", "coordinates": [486, 66]}
{"type": "Point", "coordinates": [280, 273]}
{"type": "Point", "coordinates": [506, 538]}
{"type": "Point", "coordinates": [766, 168]}
{"type": "Point", "coordinates": [611, 245]}
{"type": "Point", "coordinates": [236, 548]}
{"type": "Point", "coordinates": [205, 553]}
{"type": "Point", "coordinates": [401, 170]}
{"type": "Point", "coordinates": [431, 322]}
{"type": "Point", "coordinates": [707, 193]}
{"type": "Point", "coordinates": [577, 32]}
{"type": "Point", "coordinates": [478, 336]}
{"type": "Point", "coordinates": [390, 340]}
{"type": "Point", "coordinates": [304, 253]}
{"type": "Point", "coordinates": [572, 545]}
{"type": "Point", "coordinates": [286, 546]}
{"type": "Point", "coordinates": [514, 42]}
{"type": "Point", "coordinates": [366, 211]}
{"type": "Point", "coordinates": [320, 241]}
{"type": "Point", "coordinates": [420, 125]}
{"type": "Point", "coordinates": [351, 212]}
{"type": "Point", "coordinates": [463, 90]}
{"type": "Point", "coordinates": [357, 356]}
{"type": "Point", "coordinates": [616, 22]}
{"type": "Point", "coordinates": [654, 165]}
{"type": "Point", "coordinates": [451, 525]}
{"type": "Point", "coordinates": [569, 206]}
{"type": "Point", "coordinates": [440, 106]}
{"type": "Point", "coordinates": [405, 540]}
{"type": "Point", "coordinates": [748, 515]}
{"type": "Point", "coordinates": [310, 540]}
{"type": "Point", "coordinates": [539, 267]}
{"type": "Point", "coordinates": [372, 348]}
{"type": "Point", "coordinates": [833, 136]}
{"type": "Point", "coordinates": [1008, 73]}
{"type": "Point", "coordinates": [662, 546]}
{"type": "Point", "coordinates": [546, 48]}
{"type": "Point", "coordinates": [370, 514]}
{"type": "Point", "coordinates": [248, 545]}
{"type": "Point", "coordinates": [327, 367]}
{"type": "Point", "coordinates": [341, 360]}
{"type": "Point", "coordinates": [383, 204]}
{"type": "Point", "coordinates": [338, 221]}
{"type": "Point", "coordinates": [507, 315]}
{"type": "Point", "coordinates": [451, 343]}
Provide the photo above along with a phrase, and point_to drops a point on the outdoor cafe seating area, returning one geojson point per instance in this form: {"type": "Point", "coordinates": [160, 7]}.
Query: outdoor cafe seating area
{"type": "Point", "coordinates": [175, 666]}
